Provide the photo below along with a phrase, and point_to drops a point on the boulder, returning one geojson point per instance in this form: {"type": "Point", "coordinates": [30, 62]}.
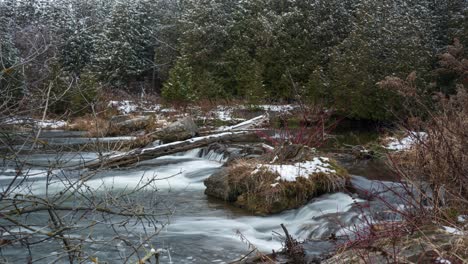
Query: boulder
{"type": "Point", "coordinates": [182, 129]}
{"type": "Point", "coordinates": [217, 186]}
{"type": "Point", "coordinates": [124, 124]}
{"type": "Point", "coordinates": [264, 187]}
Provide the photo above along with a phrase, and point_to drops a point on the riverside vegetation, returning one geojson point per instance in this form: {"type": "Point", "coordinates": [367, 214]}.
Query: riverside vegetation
{"type": "Point", "coordinates": [258, 90]}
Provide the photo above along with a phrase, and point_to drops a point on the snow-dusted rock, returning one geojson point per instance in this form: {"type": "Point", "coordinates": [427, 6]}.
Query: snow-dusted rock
{"type": "Point", "coordinates": [182, 129]}
{"type": "Point", "coordinates": [266, 188]}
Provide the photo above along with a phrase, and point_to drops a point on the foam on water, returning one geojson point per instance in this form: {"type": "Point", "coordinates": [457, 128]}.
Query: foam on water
{"type": "Point", "coordinates": [186, 174]}
{"type": "Point", "coordinates": [171, 176]}
{"type": "Point", "coordinates": [203, 153]}
{"type": "Point", "coordinates": [259, 230]}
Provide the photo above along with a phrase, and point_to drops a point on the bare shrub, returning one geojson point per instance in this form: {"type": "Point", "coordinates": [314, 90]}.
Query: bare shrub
{"type": "Point", "coordinates": [440, 158]}
{"type": "Point", "coordinates": [59, 206]}
{"type": "Point", "coordinates": [434, 175]}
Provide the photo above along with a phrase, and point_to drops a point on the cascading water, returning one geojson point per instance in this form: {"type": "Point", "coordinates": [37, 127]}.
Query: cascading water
{"type": "Point", "coordinates": [203, 230]}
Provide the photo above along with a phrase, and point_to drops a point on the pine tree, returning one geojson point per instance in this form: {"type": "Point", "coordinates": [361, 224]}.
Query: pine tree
{"type": "Point", "coordinates": [180, 88]}
{"type": "Point", "coordinates": [11, 77]}
{"type": "Point", "coordinates": [125, 48]}
{"type": "Point", "coordinates": [389, 39]}
{"type": "Point", "coordinates": [78, 35]}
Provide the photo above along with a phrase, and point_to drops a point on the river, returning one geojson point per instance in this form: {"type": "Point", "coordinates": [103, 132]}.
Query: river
{"type": "Point", "coordinates": [200, 229]}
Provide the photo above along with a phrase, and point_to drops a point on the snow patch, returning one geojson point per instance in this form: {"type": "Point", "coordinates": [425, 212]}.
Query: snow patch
{"type": "Point", "coordinates": [462, 218]}
{"type": "Point", "coordinates": [124, 107]}
{"type": "Point", "coordinates": [407, 142]}
{"type": "Point", "coordinates": [48, 124]}
{"type": "Point", "coordinates": [223, 113]}
{"type": "Point", "coordinates": [278, 108]}
{"type": "Point", "coordinates": [52, 124]}
{"type": "Point", "coordinates": [290, 172]}
{"type": "Point", "coordinates": [443, 261]}
{"type": "Point", "coordinates": [453, 231]}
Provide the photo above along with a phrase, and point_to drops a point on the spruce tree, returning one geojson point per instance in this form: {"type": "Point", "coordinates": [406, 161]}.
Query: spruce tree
{"type": "Point", "coordinates": [125, 48]}
{"type": "Point", "coordinates": [180, 88]}
{"type": "Point", "coordinates": [11, 77]}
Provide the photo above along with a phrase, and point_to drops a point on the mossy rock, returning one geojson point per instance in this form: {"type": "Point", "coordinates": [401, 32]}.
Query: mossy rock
{"type": "Point", "coordinates": [260, 191]}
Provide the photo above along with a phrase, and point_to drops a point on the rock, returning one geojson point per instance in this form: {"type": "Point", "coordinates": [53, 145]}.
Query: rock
{"type": "Point", "coordinates": [261, 188]}
{"type": "Point", "coordinates": [217, 186]}
{"type": "Point", "coordinates": [119, 119]}
{"type": "Point", "coordinates": [124, 124]}
{"type": "Point", "coordinates": [182, 129]}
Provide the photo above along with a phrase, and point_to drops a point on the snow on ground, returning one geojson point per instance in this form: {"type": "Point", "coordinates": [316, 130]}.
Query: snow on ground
{"type": "Point", "coordinates": [168, 110]}
{"type": "Point", "coordinates": [407, 142]}
{"type": "Point", "coordinates": [440, 260]}
{"type": "Point", "coordinates": [50, 124]}
{"type": "Point", "coordinates": [290, 172]}
{"type": "Point", "coordinates": [124, 107]}
{"type": "Point", "coordinates": [223, 113]}
{"type": "Point", "coordinates": [453, 231]}
{"type": "Point", "coordinates": [264, 107]}
{"type": "Point", "coordinates": [462, 218]}
{"type": "Point", "coordinates": [278, 108]}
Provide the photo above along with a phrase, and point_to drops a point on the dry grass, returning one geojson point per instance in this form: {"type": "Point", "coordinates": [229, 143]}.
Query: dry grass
{"type": "Point", "coordinates": [256, 193]}
{"type": "Point", "coordinates": [436, 166]}
{"type": "Point", "coordinates": [101, 127]}
{"type": "Point", "coordinates": [95, 126]}
{"type": "Point", "coordinates": [441, 159]}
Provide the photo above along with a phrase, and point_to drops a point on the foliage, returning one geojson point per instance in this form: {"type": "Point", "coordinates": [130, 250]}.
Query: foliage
{"type": "Point", "coordinates": [440, 157]}
{"type": "Point", "coordinates": [331, 52]}
{"type": "Point", "coordinates": [11, 77]}
{"type": "Point", "coordinates": [124, 47]}
{"type": "Point", "coordinates": [452, 68]}
{"type": "Point", "coordinates": [84, 94]}
{"type": "Point", "coordinates": [73, 96]}
{"type": "Point", "coordinates": [180, 85]}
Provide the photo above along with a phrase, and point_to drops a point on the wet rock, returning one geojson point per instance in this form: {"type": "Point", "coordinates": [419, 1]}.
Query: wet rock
{"type": "Point", "coordinates": [182, 129]}
{"type": "Point", "coordinates": [217, 186]}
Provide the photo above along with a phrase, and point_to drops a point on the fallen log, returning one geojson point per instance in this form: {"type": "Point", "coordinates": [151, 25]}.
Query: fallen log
{"type": "Point", "coordinates": [137, 155]}
{"type": "Point", "coordinates": [142, 154]}
{"type": "Point", "coordinates": [246, 125]}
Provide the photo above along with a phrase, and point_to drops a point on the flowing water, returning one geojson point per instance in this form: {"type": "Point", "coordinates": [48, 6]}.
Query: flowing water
{"type": "Point", "coordinates": [200, 230]}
